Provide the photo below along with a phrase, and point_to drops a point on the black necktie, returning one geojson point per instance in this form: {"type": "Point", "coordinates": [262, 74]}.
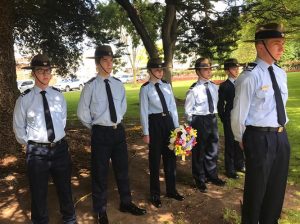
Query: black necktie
{"type": "Point", "coordinates": [112, 109]}
{"type": "Point", "coordinates": [279, 103]}
{"type": "Point", "coordinates": [209, 98]}
{"type": "Point", "coordinates": [48, 119]}
{"type": "Point", "coordinates": [162, 98]}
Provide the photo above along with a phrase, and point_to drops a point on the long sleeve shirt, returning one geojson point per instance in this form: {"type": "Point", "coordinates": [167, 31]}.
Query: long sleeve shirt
{"type": "Point", "coordinates": [150, 103]}
{"type": "Point", "coordinates": [93, 106]}
{"type": "Point", "coordinates": [196, 102]}
{"type": "Point", "coordinates": [29, 118]}
{"type": "Point", "coordinates": [254, 102]}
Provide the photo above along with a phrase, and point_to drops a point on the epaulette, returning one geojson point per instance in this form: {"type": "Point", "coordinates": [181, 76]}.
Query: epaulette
{"type": "Point", "coordinates": [250, 66]}
{"type": "Point", "coordinates": [117, 79]}
{"type": "Point", "coordinates": [146, 83]}
{"type": "Point", "coordinates": [25, 92]}
{"type": "Point", "coordinates": [164, 81]}
{"type": "Point", "coordinates": [92, 79]}
{"type": "Point", "coordinates": [55, 89]}
{"type": "Point", "coordinates": [277, 65]}
{"type": "Point", "coordinates": [193, 85]}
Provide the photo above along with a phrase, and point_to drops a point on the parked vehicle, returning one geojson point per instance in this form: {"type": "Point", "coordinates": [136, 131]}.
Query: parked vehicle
{"type": "Point", "coordinates": [142, 76]}
{"type": "Point", "coordinates": [126, 78]}
{"type": "Point", "coordinates": [69, 84]}
{"type": "Point", "coordinates": [25, 84]}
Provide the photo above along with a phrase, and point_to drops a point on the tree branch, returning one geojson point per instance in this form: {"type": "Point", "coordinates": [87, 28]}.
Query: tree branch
{"type": "Point", "coordinates": [140, 28]}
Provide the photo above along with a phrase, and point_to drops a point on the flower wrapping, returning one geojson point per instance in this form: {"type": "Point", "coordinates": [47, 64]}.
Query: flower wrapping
{"type": "Point", "coordinates": [182, 140]}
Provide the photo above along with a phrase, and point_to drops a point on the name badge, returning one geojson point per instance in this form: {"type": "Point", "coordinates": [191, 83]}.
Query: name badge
{"type": "Point", "coordinates": [265, 88]}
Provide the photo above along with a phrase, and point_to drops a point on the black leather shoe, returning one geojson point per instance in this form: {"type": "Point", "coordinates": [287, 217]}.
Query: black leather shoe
{"type": "Point", "coordinates": [217, 181]}
{"type": "Point", "coordinates": [132, 208]}
{"type": "Point", "coordinates": [175, 196]}
{"type": "Point", "coordinates": [102, 218]}
{"type": "Point", "coordinates": [232, 175]}
{"type": "Point", "coordinates": [155, 200]}
{"type": "Point", "coordinates": [202, 187]}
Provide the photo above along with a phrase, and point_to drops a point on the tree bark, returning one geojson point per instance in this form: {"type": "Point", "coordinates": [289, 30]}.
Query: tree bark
{"type": "Point", "coordinates": [8, 87]}
{"type": "Point", "coordinates": [169, 37]}
{"type": "Point", "coordinates": [140, 28]}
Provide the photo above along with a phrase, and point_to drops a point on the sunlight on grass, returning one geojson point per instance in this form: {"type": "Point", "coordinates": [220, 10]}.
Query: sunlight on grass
{"type": "Point", "coordinates": [180, 88]}
{"type": "Point", "coordinates": [290, 217]}
{"type": "Point", "coordinates": [231, 216]}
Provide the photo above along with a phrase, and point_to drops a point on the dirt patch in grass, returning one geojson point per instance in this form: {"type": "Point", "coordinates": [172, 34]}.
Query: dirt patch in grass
{"type": "Point", "coordinates": [208, 208]}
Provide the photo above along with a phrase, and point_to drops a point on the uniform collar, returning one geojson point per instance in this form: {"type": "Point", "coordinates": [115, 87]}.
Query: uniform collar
{"type": "Point", "coordinates": [159, 81]}
{"type": "Point", "coordinates": [264, 65]}
{"type": "Point", "coordinates": [201, 81]}
{"type": "Point", "coordinates": [101, 78]}
{"type": "Point", "coordinates": [37, 89]}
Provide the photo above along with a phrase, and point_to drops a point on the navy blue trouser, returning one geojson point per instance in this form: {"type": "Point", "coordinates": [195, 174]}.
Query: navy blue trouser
{"type": "Point", "coordinates": [267, 161]}
{"type": "Point", "coordinates": [43, 162]}
{"type": "Point", "coordinates": [234, 155]}
{"type": "Point", "coordinates": [109, 143]}
{"type": "Point", "coordinates": [159, 131]}
{"type": "Point", "coordinates": [205, 152]}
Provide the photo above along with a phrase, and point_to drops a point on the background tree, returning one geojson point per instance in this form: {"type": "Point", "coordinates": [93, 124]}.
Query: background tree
{"type": "Point", "coordinates": [119, 30]}
{"type": "Point", "coordinates": [188, 27]}
{"type": "Point", "coordinates": [260, 12]}
{"type": "Point", "coordinates": [54, 27]}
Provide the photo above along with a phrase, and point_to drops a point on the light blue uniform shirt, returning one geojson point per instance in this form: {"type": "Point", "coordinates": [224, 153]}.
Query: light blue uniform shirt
{"type": "Point", "coordinates": [29, 118]}
{"type": "Point", "coordinates": [93, 107]}
{"type": "Point", "coordinates": [150, 103]}
{"type": "Point", "coordinates": [254, 102]}
{"type": "Point", "coordinates": [196, 102]}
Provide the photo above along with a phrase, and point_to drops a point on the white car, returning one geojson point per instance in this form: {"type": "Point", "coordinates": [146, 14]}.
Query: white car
{"type": "Point", "coordinates": [125, 78]}
{"type": "Point", "coordinates": [69, 84]}
{"type": "Point", "coordinates": [25, 84]}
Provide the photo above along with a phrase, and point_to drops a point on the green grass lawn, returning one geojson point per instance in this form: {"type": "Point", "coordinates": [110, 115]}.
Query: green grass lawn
{"type": "Point", "coordinates": [180, 89]}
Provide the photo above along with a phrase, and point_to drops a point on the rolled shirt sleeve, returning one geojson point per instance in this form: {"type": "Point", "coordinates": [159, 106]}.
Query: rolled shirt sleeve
{"type": "Point", "coordinates": [189, 105]}
{"type": "Point", "coordinates": [244, 90]}
{"type": "Point", "coordinates": [19, 122]}
{"type": "Point", "coordinates": [83, 110]}
{"type": "Point", "coordinates": [173, 109]}
{"type": "Point", "coordinates": [144, 104]}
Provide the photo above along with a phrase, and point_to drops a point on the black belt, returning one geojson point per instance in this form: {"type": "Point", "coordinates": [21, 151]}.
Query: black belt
{"type": "Point", "coordinates": [207, 115]}
{"type": "Point", "coordinates": [47, 145]}
{"type": "Point", "coordinates": [159, 115]}
{"type": "Point", "coordinates": [107, 127]}
{"type": "Point", "coordinates": [265, 129]}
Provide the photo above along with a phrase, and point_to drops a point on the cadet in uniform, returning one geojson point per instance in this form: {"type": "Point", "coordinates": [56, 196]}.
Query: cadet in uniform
{"type": "Point", "coordinates": [39, 122]}
{"type": "Point", "coordinates": [259, 125]}
{"type": "Point", "coordinates": [159, 117]}
{"type": "Point", "coordinates": [234, 157]}
{"type": "Point", "coordinates": [200, 109]}
{"type": "Point", "coordinates": [101, 108]}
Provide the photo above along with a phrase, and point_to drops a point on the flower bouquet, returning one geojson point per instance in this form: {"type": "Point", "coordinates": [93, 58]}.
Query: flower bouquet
{"type": "Point", "coordinates": [182, 140]}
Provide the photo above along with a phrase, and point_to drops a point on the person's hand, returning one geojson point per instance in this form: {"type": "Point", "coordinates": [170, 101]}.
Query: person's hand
{"type": "Point", "coordinates": [241, 145]}
{"type": "Point", "coordinates": [146, 139]}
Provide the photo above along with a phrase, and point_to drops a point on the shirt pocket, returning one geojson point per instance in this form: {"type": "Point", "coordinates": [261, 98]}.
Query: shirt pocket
{"type": "Point", "coordinates": [57, 112]}
{"type": "Point", "coordinates": [98, 105]}
{"type": "Point", "coordinates": [200, 99]}
{"type": "Point", "coordinates": [264, 98]}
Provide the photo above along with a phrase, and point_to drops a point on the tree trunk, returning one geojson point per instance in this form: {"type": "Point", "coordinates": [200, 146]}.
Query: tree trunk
{"type": "Point", "coordinates": [169, 37]}
{"type": "Point", "coordinates": [140, 28]}
{"type": "Point", "coordinates": [8, 87]}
